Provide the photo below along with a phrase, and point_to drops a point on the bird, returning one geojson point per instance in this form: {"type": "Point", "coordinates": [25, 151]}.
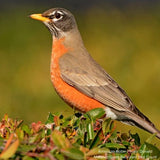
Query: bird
{"type": "Point", "coordinates": [79, 80]}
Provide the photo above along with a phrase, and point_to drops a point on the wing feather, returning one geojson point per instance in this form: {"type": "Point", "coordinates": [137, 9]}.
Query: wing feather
{"type": "Point", "coordinates": [89, 78]}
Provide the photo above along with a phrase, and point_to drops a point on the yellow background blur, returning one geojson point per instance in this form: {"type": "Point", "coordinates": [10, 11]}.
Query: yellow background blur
{"type": "Point", "coordinates": [124, 40]}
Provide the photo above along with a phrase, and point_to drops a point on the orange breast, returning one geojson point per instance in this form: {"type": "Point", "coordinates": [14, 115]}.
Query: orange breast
{"type": "Point", "coordinates": [68, 93]}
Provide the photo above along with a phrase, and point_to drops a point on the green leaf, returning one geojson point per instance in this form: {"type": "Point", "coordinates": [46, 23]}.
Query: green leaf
{"type": "Point", "coordinates": [26, 129]}
{"type": "Point", "coordinates": [85, 139]}
{"type": "Point", "coordinates": [114, 145]}
{"type": "Point", "coordinates": [96, 139]}
{"type": "Point", "coordinates": [153, 150]}
{"type": "Point", "coordinates": [50, 118]}
{"type": "Point", "coordinates": [49, 131]}
{"type": "Point", "coordinates": [90, 131]}
{"type": "Point", "coordinates": [143, 150]}
{"type": "Point", "coordinates": [76, 122]}
{"type": "Point", "coordinates": [96, 113]}
{"type": "Point", "coordinates": [97, 151]}
{"type": "Point", "coordinates": [20, 134]}
{"type": "Point", "coordinates": [111, 126]}
{"type": "Point", "coordinates": [73, 153]}
{"type": "Point", "coordinates": [149, 150]}
{"type": "Point", "coordinates": [59, 156]}
{"type": "Point", "coordinates": [26, 147]}
{"type": "Point", "coordinates": [126, 143]}
{"type": "Point", "coordinates": [136, 138]}
{"type": "Point", "coordinates": [105, 125]}
{"type": "Point", "coordinates": [9, 152]}
{"type": "Point", "coordinates": [60, 140]}
{"type": "Point", "coordinates": [113, 135]}
{"type": "Point", "coordinates": [28, 158]}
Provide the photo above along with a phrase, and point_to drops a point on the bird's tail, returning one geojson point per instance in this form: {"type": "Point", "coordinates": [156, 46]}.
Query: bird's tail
{"type": "Point", "coordinates": [140, 120]}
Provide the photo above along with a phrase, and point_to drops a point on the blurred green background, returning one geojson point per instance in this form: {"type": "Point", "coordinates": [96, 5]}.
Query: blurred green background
{"type": "Point", "coordinates": [123, 36]}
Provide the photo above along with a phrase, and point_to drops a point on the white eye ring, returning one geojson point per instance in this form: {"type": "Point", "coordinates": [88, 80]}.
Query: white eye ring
{"type": "Point", "coordinates": [57, 15]}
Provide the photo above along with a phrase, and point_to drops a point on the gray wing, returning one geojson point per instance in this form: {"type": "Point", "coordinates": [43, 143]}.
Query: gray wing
{"type": "Point", "coordinates": [89, 78]}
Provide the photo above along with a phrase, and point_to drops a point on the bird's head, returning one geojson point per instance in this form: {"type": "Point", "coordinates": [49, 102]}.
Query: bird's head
{"type": "Point", "coordinates": [58, 21]}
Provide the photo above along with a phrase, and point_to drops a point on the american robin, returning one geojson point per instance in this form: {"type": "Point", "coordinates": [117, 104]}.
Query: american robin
{"type": "Point", "coordinates": [79, 80]}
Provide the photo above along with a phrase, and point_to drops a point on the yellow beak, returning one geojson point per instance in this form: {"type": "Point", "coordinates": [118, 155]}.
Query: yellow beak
{"type": "Point", "coordinates": [39, 17]}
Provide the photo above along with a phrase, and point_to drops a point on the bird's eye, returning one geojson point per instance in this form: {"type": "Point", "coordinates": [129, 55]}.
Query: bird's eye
{"type": "Point", "coordinates": [58, 15]}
